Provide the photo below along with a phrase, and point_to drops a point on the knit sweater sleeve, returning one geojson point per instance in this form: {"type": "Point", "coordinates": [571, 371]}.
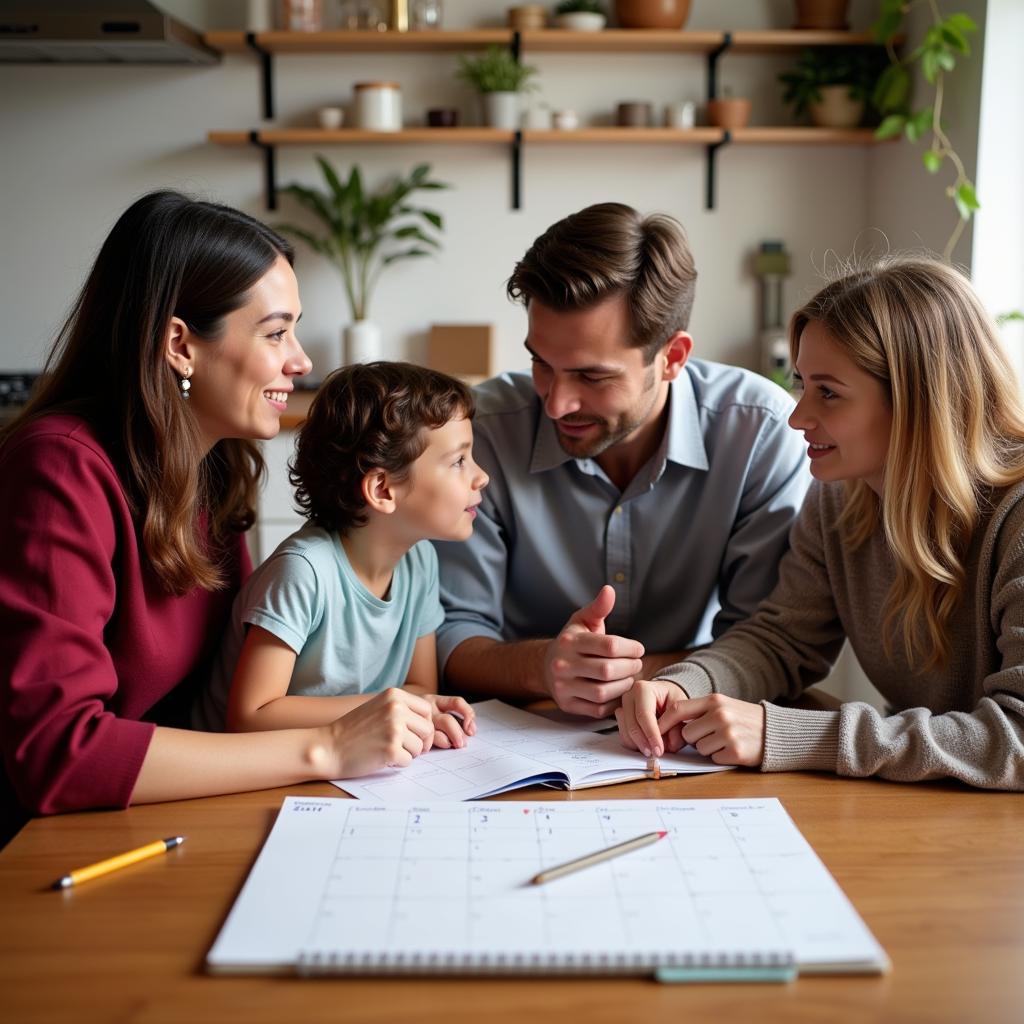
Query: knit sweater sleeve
{"type": "Point", "coordinates": [792, 639]}
{"type": "Point", "coordinates": [62, 747]}
{"type": "Point", "coordinates": [983, 747]}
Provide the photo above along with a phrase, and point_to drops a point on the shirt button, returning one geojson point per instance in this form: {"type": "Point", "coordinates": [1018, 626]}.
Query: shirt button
{"type": "Point", "coordinates": [620, 577]}
{"type": "Point", "coordinates": [618, 510]}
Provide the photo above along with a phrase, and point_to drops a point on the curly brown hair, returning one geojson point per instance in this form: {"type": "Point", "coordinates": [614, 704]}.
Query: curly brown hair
{"type": "Point", "coordinates": [365, 417]}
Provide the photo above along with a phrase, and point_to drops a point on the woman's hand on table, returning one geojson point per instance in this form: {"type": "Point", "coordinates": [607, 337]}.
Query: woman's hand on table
{"type": "Point", "coordinates": [657, 717]}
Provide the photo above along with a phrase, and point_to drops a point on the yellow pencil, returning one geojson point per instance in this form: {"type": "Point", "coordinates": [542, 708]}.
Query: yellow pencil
{"type": "Point", "coordinates": [596, 858]}
{"type": "Point", "coordinates": [122, 860]}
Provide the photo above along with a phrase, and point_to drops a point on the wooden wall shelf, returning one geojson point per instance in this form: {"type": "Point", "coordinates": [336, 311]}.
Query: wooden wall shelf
{"type": "Point", "coordinates": [546, 40]}
{"type": "Point", "coordinates": [711, 45]}
{"type": "Point", "coordinates": [612, 136]}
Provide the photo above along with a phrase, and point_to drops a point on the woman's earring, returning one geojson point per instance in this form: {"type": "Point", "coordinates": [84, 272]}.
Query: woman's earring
{"type": "Point", "coordinates": [185, 383]}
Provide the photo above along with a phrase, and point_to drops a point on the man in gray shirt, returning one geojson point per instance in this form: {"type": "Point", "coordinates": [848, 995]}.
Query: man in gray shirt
{"type": "Point", "coordinates": [625, 469]}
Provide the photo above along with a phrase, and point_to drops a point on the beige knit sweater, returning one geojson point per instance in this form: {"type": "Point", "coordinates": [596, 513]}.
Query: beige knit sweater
{"type": "Point", "coordinates": [965, 721]}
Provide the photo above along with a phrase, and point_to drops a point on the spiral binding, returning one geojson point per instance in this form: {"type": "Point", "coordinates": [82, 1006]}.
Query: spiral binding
{"type": "Point", "coordinates": [320, 962]}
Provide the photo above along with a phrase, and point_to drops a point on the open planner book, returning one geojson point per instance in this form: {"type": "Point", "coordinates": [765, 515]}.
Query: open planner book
{"type": "Point", "coordinates": [512, 749]}
{"type": "Point", "coordinates": [733, 892]}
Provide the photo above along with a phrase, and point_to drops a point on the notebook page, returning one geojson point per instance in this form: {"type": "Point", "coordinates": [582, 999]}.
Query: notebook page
{"type": "Point", "coordinates": [510, 747]}
{"type": "Point", "coordinates": [348, 886]}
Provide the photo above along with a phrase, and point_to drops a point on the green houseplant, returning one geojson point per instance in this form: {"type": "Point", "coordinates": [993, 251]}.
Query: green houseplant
{"type": "Point", "coordinates": [499, 78]}
{"type": "Point", "coordinates": [945, 42]}
{"type": "Point", "coordinates": [833, 84]}
{"type": "Point", "coordinates": [365, 232]}
{"type": "Point", "coordinates": [580, 15]}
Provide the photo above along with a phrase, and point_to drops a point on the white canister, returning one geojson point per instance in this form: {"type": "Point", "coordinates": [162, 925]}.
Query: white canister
{"type": "Point", "coordinates": [378, 106]}
{"type": "Point", "coordinates": [565, 120]}
{"type": "Point", "coordinates": [681, 115]}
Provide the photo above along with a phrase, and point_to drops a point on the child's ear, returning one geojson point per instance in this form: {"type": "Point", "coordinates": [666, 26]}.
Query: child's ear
{"type": "Point", "coordinates": [378, 492]}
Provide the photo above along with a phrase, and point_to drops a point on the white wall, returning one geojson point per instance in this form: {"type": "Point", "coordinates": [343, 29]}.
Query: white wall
{"type": "Point", "coordinates": [82, 142]}
{"type": "Point", "coordinates": [998, 250]}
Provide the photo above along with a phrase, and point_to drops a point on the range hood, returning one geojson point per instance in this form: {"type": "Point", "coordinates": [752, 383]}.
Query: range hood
{"type": "Point", "coordinates": [96, 32]}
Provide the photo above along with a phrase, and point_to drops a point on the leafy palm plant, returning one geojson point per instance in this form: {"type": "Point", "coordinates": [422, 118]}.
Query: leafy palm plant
{"type": "Point", "coordinates": [366, 232]}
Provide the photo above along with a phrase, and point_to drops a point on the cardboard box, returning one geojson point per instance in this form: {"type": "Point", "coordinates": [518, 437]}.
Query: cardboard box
{"type": "Point", "coordinates": [462, 350]}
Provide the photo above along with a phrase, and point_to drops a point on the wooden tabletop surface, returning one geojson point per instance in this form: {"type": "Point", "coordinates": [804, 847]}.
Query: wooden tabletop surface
{"type": "Point", "coordinates": [936, 870]}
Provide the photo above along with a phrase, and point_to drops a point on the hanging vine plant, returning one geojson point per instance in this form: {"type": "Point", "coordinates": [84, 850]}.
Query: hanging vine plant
{"type": "Point", "coordinates": [945, 42]}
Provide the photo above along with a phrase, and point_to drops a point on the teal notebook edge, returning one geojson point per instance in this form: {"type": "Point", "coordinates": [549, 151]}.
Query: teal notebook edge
{"type": "Point", "coordinates": [697, 975]}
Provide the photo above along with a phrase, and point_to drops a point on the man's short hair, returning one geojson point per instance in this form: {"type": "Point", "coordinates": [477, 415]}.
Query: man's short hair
{"type": "Point", "coordinates": [365, 417]}
{"type": "Point", "coordinates": [610, 249]}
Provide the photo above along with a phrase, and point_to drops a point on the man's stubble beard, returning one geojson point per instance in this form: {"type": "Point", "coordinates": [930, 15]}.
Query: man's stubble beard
{"type": "Point", "coordinates": [608, 439]}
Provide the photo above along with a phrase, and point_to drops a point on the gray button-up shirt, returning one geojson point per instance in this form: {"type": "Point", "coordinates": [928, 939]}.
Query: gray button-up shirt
{"type": "Point", "coordinates": [691, 546]}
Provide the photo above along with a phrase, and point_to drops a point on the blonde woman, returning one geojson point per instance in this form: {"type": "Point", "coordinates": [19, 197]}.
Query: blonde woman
{"type": "Point", "coordinates": [910, 545]}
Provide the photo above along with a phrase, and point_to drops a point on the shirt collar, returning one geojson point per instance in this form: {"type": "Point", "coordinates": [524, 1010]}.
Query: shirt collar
{"type": "Point", "coordinates": [683, 442]}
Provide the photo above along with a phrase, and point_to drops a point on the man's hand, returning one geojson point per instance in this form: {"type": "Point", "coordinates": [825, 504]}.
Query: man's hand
{"type": "Point", "coordinates": [586, 671]}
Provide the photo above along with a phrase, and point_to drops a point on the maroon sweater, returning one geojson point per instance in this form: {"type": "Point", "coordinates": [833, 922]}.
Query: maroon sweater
{"type": "Point", "coordinates": [93, 650]}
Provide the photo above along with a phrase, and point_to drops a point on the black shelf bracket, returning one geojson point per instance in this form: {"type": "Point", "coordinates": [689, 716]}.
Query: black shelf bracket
{"type": "Point", "coordinates": [712, 150]}
{"type": "Point", "coordinates": [517, 170]}
{"type": "Point", "coordinates": [269, 168]}
{"type": "Point", "coordinates": [713, 64]}
{"type": "Point", "coordinates": [516, 45]}
{"type": "Point", "coordinates": [266, 74]}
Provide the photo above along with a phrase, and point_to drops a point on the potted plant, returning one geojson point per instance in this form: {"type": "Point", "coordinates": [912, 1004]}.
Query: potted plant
{"type": "Point", "coordinates": [833, 83]}
{"type": "Point", "coordinates": [363, 234]}
{"type": "Point", "coordinates": [499, 78]}
{"type": "Point", "coordinates": [822, 14]}
{"type": "Point", "coordinates": [580, 15]}
{"type": "Point", "coordinates": [728, 111]}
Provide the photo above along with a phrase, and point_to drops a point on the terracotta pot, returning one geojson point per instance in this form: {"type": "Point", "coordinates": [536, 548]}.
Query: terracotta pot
{"type": "Point", "coordinates": [828, 14]}
{"type": "Point", "coordinates": [836, 109]}
{"type": "Point", "coordinates": [732, 112]}
{"type": "Point", "coordinates": [652, 13]}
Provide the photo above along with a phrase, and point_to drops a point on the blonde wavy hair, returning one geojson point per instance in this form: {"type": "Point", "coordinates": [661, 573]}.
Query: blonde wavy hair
{"type": "Point", "coordinates": [918, 326]}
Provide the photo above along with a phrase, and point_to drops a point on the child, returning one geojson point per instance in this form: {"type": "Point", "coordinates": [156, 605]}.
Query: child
{"type": "Point", "coordinates": [346, 608]}
{"type": "Point", "coordinates": [909, 545]}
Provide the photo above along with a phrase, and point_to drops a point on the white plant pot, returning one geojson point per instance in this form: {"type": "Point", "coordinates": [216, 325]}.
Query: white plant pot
{"type": "Point", "coordinates": [362, 342]}
{"type": "Point", "coordinates": [501, 110]}
{"type": "Point", "coordinates": [581, 21]}
{"type": "Point", "coordinates": [836, 109]}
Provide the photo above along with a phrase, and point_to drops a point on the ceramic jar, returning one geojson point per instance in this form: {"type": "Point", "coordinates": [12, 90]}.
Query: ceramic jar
{"type": "Point", "coordinates": [730, 112]}
{"type": "Point", "coordinates": [527, 17]}
{"type": "Point", "coordinates": [302, 15]}
{"type": "Point", "coordinates": [652, 13]}
{"type": "Point", "coordinates": [378, 106]}
{"type": "Point", "coordinates": [634, 114]}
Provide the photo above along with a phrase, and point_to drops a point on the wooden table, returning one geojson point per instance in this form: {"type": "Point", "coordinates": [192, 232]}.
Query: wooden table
{"type": "Point", "coordinates": [936, 870]}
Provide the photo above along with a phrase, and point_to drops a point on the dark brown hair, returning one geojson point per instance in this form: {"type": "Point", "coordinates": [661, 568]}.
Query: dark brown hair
{"type": "Point", "coordinates": [610, 249]}
{"type": "Point", "coordinates": [365, 417]}
{"type": "Point", "coordinates": [167, 256]}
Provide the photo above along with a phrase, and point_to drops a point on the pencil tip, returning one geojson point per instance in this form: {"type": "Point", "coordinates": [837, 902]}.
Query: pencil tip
{"type": "Point", "coordinates": [661, 835]}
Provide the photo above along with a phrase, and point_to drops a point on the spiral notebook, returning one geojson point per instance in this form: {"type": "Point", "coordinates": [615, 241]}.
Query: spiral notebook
{"type": "Point", "coordinates": [733, 891]}
{"type": "Point", "coordinates": [513, 748]}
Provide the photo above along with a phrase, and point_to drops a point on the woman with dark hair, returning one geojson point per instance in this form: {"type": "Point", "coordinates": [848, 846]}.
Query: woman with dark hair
{"type": "Point", "coordinates": [125, 487]}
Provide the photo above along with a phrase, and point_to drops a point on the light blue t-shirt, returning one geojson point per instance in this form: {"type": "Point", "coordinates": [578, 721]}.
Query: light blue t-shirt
{"type": "Point", "coordinates": [346, 640]}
